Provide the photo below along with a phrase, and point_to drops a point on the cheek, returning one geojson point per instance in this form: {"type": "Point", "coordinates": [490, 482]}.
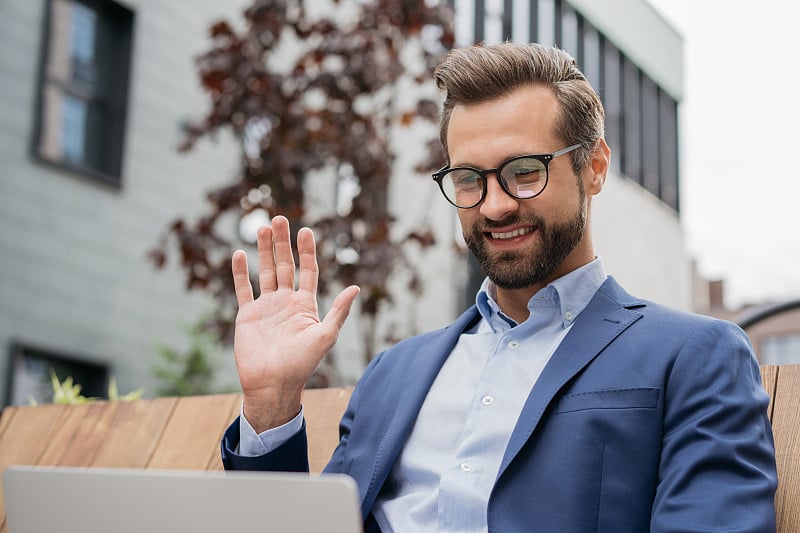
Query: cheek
{"type": "Point", "coordinates": [466, 218]}
{"type": "Point", "coordinates": [556, 205]}
{"type": "Point", "coordinates": [566, 199]}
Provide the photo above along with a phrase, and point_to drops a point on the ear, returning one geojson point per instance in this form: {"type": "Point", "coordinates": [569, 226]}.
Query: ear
{"type": "Point", "coordinates": [597, 169]}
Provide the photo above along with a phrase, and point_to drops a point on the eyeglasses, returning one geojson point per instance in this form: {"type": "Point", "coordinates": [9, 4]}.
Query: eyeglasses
{"type": "Point", "coordinates": [522, 177]}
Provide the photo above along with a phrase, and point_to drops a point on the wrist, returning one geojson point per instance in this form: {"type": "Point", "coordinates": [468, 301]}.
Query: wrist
{"type": "Point", "coordinates": [264, 415]}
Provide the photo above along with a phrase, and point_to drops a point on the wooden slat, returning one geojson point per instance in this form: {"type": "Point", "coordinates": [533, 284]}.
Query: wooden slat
{"type": "Point", "coordinates": [769, 377]}
{"type": "Point", "coordinates": [134, 433]}
{"type": "Point", "coordinates": [75, 442]}
{"type": "Point", "coordinates": [215, 463]}
{"type": "Point", "coordinates": [786, 428]}
{"type": "Point", "coordinates": [193, 432]}
{"type": "Point", "coordinates": [81, 435]}
{"type": "Point", "coordinates": [323, 408]}
{"type": "Point", "coordinates": [5, 419]}
{"type": "Point", "coordinates": [27, 432]}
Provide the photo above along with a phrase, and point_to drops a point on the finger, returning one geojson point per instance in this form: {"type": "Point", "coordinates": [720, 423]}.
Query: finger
{"type": "Point", "coordinates": [266, 260]}
{"type": "Point", "coordinates": [241, 278]}
{"type": "Point", "coordinates": [309, 270]}
{"type": "Point", "coordinates": [284, 262]}
{"type": "Point", "coordinates": [340, 308]}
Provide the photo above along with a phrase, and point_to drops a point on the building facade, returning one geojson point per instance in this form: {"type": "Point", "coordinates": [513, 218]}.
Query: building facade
{"type": "Point", "coordinates": [95, 94]}
{"type": "Point", "coordinates": [773, 327]}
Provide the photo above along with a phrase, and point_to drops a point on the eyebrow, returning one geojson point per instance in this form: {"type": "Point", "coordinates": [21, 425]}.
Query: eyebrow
{"type": "Point", "coordinates": [505, 159]}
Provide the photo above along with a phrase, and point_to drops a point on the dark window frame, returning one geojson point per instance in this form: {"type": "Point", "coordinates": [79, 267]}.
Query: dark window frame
{"type": "Point", "coordinates": [652, 180]}
{"type": "Point", "coordinates": [480, 21]}
{"type": "Point", "coordinates": [122, 21]}
{"type": "Point", "coordinates": [632, 159]}
{"type": "Point", "coordinates": [612, 77]}
{"type": "Point", "coordinates": [533, 21]}
{"type": "Point", "coordinates": [97, 387]}
{"type": "Point", "coordinates": [568, 14]}
{"type": "Point", "coordinates": [508, 15]}
{"type": "Point", "coordinates": [669, 148]}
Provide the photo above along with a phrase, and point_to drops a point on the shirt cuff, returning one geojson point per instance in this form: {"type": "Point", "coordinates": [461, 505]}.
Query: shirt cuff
{"type": "Point", "coordinates": [253, 444]}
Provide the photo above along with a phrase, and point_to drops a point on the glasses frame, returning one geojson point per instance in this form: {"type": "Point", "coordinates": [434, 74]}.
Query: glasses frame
{"type": "Point", "coordinates": [545, 159]}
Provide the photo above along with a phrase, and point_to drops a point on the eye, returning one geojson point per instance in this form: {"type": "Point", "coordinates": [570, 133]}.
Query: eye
{"type": "Point", "coordinates": [524, 170]}
{"type": "Point", "coordinates": [464, 179]}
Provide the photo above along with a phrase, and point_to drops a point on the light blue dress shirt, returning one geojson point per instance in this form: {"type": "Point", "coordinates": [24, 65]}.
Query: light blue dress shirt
{"type": "Point", "coordinates": [445, 473]}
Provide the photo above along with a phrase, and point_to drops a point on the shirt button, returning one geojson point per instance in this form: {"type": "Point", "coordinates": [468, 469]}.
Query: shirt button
{"type": "Point", "coordinates": [513, 345]}
{"type": "Point", "coordinates": [487, 400]}
{"type": "Point", "coordinates": [465, 467]}
{"type": "Point", "coordinates": [568, 315]}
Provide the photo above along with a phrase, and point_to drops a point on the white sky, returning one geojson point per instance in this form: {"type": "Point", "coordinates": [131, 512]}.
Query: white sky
{"type": "Point", "coordinates": [740, 128]}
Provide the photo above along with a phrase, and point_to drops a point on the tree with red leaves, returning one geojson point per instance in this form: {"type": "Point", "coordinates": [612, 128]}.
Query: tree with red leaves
{"type": "Point", "coordinates": [304, 94]}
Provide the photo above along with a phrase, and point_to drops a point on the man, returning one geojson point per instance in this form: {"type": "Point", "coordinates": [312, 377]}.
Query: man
{"type": "Point", "coordinates": [558, 402]}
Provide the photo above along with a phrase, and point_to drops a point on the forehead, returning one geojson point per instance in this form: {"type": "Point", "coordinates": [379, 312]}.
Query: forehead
{"type": "Point", "coordinates": [521, 122]}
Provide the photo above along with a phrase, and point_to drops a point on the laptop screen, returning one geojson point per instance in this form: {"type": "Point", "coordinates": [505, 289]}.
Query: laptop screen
{"type": "Point", "coordinates": [101, 500]}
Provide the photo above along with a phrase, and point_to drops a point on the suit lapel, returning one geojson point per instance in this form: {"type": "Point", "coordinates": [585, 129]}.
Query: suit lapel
{"type": "Point", "coordinates": [609, 313]}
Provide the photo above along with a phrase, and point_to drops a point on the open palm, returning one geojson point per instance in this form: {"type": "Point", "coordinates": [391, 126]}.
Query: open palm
{"type": "Point", "coordinates": [279, 338]}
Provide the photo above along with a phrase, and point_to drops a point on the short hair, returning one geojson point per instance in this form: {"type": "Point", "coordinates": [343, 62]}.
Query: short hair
{"type": "Point", "coordinates": [480, 73]}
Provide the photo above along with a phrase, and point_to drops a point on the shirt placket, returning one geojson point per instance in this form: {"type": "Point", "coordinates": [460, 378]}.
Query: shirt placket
{"type": "Point", "coordinates": [480, 447]}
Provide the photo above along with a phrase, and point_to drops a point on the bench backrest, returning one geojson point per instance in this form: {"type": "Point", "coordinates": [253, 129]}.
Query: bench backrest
{"type": "Point", "coordinates": [783, 385]}
{"type": "Point", "coordinates": [184, 433]}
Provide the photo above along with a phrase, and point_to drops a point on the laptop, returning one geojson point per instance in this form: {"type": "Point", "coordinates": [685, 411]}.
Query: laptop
{"type": "Point", "coordinates": [101, 500]}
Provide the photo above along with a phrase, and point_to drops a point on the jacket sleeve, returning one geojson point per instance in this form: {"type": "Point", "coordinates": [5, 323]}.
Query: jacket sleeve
{"type": "Point", "coordinates": [717, 470]}
{"type": "Point", "coordinates": [291, 456]}
{"type": "Point", "coordinates": [338, 463]}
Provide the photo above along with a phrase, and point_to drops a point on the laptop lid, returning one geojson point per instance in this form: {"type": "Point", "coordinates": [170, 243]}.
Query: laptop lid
{"type": "Point", "coordinates": [100, 500]}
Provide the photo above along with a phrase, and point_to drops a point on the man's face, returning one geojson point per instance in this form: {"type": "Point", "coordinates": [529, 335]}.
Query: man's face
{"type": "Point", "coordinates": [520, 243]}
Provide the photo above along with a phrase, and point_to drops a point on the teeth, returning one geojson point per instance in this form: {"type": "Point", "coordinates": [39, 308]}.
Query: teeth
{"type": "Point", "coordinates": [511, 234]}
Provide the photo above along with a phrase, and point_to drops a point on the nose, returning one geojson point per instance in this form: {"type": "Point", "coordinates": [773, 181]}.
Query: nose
{"type": "Point", "coordinates": [498, 203]}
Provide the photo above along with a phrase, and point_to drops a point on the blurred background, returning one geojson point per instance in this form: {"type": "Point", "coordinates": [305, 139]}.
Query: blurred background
{"type": "Point", "coordinates": [141, 142]}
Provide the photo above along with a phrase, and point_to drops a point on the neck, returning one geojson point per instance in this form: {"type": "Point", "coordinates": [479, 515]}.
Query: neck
{"type": "Point", "coordinates": [514, 302]}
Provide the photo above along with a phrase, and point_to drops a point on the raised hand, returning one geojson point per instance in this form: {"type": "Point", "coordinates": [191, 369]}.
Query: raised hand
{"type": "Point", "coordinates": [279, 338]}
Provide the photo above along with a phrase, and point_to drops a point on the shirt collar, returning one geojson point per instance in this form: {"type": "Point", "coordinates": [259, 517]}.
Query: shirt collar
{"type": "Point", "coordinates": [571, 293]}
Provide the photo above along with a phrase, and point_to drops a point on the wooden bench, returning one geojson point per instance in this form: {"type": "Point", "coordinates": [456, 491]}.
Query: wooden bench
{"type": "Point", "coordinates": [184, 433]}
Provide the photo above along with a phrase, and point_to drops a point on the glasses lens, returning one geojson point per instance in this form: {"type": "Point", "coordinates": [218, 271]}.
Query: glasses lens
{"type": "Point", "coordinates": [463, 187]}
{"type": "Point", "coordinates": [524, 177]}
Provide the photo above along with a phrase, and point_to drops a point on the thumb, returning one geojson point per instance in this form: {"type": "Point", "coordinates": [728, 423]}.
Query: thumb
{"type": "Point", "coordinates": [340, 308]}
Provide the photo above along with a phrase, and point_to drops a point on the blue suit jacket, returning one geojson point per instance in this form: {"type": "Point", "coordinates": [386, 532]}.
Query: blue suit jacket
{"type": "Point", "coordinates": [645, 418]}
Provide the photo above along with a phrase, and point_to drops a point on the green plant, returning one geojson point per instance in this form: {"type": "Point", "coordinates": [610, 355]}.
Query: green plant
{"type": "Point", "coordinates": [68, 392]}
{"type": "Point", "coordinates": [191, 372]}
{"type": "Point", "coordinates": [113, 392]}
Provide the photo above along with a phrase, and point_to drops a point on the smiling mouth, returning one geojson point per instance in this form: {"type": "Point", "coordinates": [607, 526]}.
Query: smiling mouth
{"type": "Point", "coordinates": [511, 234]}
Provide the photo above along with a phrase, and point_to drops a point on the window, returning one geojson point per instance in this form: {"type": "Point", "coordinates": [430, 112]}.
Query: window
{"type": "Point", "coordinates": [546, 28]}
{"type": "Point", "coordinates": [571, 40]}
{"type": "Point", "coordinates": [83, 87]}
{"type": "Point", "coordinates": [632, 117]}
{"type": "Point", "coordinates": [591, 60]}
{"type": "Point", "coordinates": [650, 141]}
{"type": "Point", "coordinates": [612, 100]}
{"type": "Point", "coordinates": [523, 20]}
{"type": "Point", "coordinates": [496, 24]}
{"type": "Point", "coordinates": [780, 349]}
{"type": "Point", "coordinates": [668, 123]}
{"type": "Point", "coordinates": [29, 375]}
{"type": "Point", "coordinates": [480, 21]}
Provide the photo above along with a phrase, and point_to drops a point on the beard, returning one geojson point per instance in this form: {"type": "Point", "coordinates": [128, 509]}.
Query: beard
{"type": "Point", "coordinates": [520, 269]}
